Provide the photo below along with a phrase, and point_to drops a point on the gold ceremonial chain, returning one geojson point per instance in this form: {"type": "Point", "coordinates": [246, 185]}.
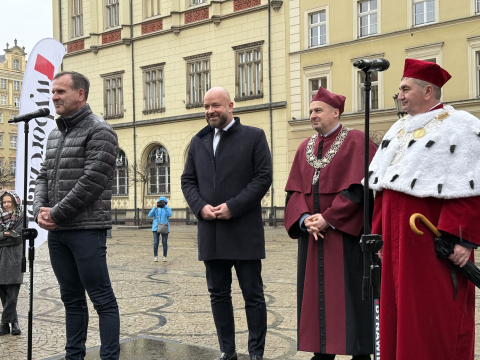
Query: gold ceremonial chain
{"type": "Point", "coordinates": [318, 164]}
{"type": "Point", "coordinates": [405, 138]}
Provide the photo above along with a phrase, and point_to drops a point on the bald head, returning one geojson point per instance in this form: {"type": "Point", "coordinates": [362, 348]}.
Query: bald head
{"type": "Point", "coordinates": [218, 107]}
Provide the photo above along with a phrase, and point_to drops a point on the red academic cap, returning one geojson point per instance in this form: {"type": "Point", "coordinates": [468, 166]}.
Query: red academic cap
{"type": "Point", "coordinates": [334, 100]}
{"type": "Point", "coordinates": [426, 71]}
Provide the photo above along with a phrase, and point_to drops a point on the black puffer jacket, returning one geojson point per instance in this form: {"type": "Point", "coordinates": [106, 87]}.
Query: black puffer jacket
{"type": "Point", "coordinates": [75, 179]}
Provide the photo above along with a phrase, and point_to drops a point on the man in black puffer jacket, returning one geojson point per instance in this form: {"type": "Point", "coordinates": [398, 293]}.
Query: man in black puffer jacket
{"type": "Point", "coordinates": [72, 202]}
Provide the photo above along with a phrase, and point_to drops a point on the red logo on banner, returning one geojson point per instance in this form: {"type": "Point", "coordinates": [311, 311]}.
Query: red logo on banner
{"type": "Point", "coordinates": [44, 67]}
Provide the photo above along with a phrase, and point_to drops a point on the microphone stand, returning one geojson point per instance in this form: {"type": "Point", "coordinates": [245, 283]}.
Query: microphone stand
{"type": "Point", "coordinates": [370, 243]}
{"type": "Point", "coordinates": [30, 235]}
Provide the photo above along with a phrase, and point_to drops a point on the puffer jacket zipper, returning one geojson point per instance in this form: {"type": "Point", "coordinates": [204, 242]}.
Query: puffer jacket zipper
{"type": "Point", "coordinates": [57, 159]}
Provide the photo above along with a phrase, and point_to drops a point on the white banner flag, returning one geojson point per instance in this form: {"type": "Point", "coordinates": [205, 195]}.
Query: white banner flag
{"type": "Point", "coordinates": [42, 65]}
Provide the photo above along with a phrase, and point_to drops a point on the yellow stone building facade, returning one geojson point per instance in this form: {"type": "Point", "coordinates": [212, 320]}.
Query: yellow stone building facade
{"type": "Point", "coordinates": [327, 37]}
{"type": "Point", "coordinates": [12, 67]}
{"type": "Point", "coordinates": [149, 63]}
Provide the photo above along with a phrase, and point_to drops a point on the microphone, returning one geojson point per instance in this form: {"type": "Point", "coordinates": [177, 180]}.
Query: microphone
{"type": "Point", "coordinates": [372, 65]}
{"type": "Point", "coordinates": [29, 116]}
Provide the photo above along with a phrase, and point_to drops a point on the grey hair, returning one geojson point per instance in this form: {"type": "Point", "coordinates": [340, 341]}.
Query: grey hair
{"type": "Point", "coordinates": [437, 92]}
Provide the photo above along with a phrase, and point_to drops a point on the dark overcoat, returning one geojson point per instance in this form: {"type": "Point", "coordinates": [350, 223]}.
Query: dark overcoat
{"type": "Point", "coordinates": [239, 175]}
{"type": "Point", "coordinates": [11, 252]}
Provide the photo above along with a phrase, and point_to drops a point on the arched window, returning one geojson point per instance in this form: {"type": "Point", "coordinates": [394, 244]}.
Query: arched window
{"type": "Point", "coordinates": [159, 165]}
{"type": "Point", "coordinates": [16, 64]}
{"type": "Point", "coordinates": [120, 176]}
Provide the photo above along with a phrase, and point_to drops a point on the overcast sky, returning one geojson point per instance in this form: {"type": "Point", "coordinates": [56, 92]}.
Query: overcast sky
{"type": "Point", "coordinates": [28, 21]}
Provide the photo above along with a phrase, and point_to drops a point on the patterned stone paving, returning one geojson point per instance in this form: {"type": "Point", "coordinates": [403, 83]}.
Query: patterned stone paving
{"type": "Point", "coordinates": [165, 300]}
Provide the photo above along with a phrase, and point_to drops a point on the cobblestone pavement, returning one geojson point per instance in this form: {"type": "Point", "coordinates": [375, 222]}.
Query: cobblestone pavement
{"type": "Point", "coordinates": [165, 300]}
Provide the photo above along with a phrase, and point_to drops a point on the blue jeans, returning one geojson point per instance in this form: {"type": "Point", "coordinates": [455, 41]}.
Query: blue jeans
{"type": "Point", "coordinates": [156, 240]}
{"type": "Point", "coordinates": [79, 262]}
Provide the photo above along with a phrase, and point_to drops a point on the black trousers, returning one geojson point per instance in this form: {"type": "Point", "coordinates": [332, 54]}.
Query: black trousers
{"type": "Point", "coordinates": [9, 297]}
{"type": "Point", "coordinates": [219, 282]}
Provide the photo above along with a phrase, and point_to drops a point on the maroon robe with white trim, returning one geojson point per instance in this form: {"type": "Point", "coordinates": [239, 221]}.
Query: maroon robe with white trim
{"type": "Point", "coordinates": [332, 317]}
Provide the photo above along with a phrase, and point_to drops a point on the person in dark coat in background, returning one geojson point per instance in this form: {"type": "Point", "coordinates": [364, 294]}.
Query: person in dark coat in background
{"type": "Point", "coordinates": [325, 211]}
{"type": "Point", "coordinates": [227, 173]}
{"type": "Point", "coordinates": [11, 251]}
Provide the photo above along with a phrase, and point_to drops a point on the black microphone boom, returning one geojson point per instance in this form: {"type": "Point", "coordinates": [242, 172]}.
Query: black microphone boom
{"type": "Point", "coordinates": [29, 116]}
{"type": "Point", "coordinates": [372, 65]}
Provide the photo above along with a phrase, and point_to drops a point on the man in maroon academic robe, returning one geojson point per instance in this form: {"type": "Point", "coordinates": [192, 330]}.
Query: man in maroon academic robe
{"type": "Point", "coordinates": [325, 211]}
{"type": "Point", "coordinates": [428, 163]}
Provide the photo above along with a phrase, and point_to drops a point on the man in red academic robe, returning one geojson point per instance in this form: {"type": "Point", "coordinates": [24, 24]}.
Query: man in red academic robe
{"type": "Point", "coordinates": [428, 163]}
{"type": "Point", "coordinates": [325, 211]}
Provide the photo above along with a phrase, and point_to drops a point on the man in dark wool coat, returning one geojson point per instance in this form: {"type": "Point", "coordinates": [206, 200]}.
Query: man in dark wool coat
{"type": "Point", "coordinates": [325, 210]}
{"type": "Point", "coordinates": [227, 173]}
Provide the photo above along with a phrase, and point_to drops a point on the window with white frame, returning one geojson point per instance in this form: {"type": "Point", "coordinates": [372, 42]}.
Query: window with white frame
{"type": "Point", "coordinates": [249, 78]}
{"type": "Point", "coordinates": [13, 141]}
{"type": "Point", "coordinates": [367, 17]}
{"type": "Point", "coordinates": [1, 143]}
{"type": "Point", "coordinates": [3, 83]}
{"type": "Point", "coordinates": [16, 85]}
{"type": "Point", "coordinates": [159, 176]}
{"type": "Point", "coordinates": [13, 165]}
{"type": "Point", "coordinates": [373, 92]}
{"type": "Point", "coordinates": [77, 18]}
{"type": "Point", "coordinates": [151, 8]}
{"type": "Point", "coordinates": [112, 13]}
{"type": "Point", "coordinates": [423, 12]}
{"type": "Point", "coordinates": [3, 100]}
{"type": "Point", "coordinates": [198, 79]}
{"type": "Point", "coordinates": [315, 84]}
{"type": "Point", "coordinates": [477, 6]}
{"type": "Point", "coordinates": [120, 175]}
{"type": "Point", "coordinates": [0, 117]}
{"type": "Point", "coordinates": [317, 28]}
{"type": "Point", "coordinates": [16, 101]}
{"type": "Point", "coordinates": [196, 2]}
{"type": "Point", "coordinates": [16, 64]}
{"type": "Point", "coordinates": [153, 89]}
{"type": "Point", "coordinates": [113, 95]}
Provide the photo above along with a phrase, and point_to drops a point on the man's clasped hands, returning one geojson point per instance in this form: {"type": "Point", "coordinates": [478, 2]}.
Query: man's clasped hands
{"type": "Point", "coordinates": [316, 225]}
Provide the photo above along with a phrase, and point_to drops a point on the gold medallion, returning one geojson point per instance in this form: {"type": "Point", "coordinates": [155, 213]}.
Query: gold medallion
{"type": "Point", "coordinates": [419, 133]}
{"type": "Point", "coordinates": [442, 116]}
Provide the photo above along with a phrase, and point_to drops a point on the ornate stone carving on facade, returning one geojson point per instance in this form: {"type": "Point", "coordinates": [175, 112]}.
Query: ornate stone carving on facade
{"type": "Point", "coordinates": [152, 26]}
{"type": "Point", "coordinates": [176, 30]}
{"type": "Point", "coordinates": [153, 111]}
{"type": "Point", "coordinates": [94, 49]}
{"type": "Point", "coordinates": [76, 45]}
{"type": "Point", "coordinates": [111, 36]}
{"type": "Point", "coordinates": [244, 4]}
{"type": "Point", "coordinates": [216, 19]}
{"type": "Point", "coordinates": [196, 15]}
{"type": "Point", "coordinates": [276, 4]}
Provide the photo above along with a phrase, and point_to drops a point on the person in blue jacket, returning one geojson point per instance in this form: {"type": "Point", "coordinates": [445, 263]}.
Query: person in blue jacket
{"type": "Point", "coordinates": [160, 214]}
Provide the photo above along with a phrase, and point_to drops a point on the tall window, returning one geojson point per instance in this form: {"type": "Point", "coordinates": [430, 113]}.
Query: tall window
{"type": "Point", "coordinates": [373, 93]}
{"type": "Point", "coordinates": [159, 164]}
{"type": "Point", "coordinates": [16, 85]}
{"type": "Point", "coordinates": [16, 64]}
{"type": "Point", "coordinates": [77, 18]}
{"type": "Point", "coordinates": [112, 13]}
{"type": "Point", "coordinates": [249, 77]}
{"type": "Point", "coordinates": [198, 79]}
{"type": "Point", "coordinates": [477, 6]}
{"type": "Point", "coordinates": [317, 24]}
{"type": "Point", "coordinates": [153, 89]}
{"type": "Point", "coordinates": [3, 100]}
{"type": "Point", "coordinates": [1, 144]}
{"type": "Point", "coordinates": [13, 165]}
{"type": "Point", "coordinates": [16, 101]}
{"type": "Point", "coordinates": [13, 141]}
{"type": "Point", "coordinates": [151, 8]}
{"type": "Point", "coordinates": [113, 95]}
{"type": "Point", "coordinates": [367, 13]}
{"type": "Point", "coordinates": [120, 176]}
{"type": "Point", "coordinates": [315, 85]}
{"type": "Point", "coordinates": [477, 71]}
{"type": "Point", "coordinates": [3, 83]}
{"type": "Point", "coordinates": [424, 12]}
{"type": "Point", "coordinates": [0, 118]}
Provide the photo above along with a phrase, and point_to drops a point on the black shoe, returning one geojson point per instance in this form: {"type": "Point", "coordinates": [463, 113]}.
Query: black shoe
{"type": "Point", "coordinates": [4, 329]}
{"type": "Point", "coordinates": [16, 328]}
{"type": "Point", "coordinates": [225, 356]}
{"type": "Point", "coordinates": [256, 357]}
